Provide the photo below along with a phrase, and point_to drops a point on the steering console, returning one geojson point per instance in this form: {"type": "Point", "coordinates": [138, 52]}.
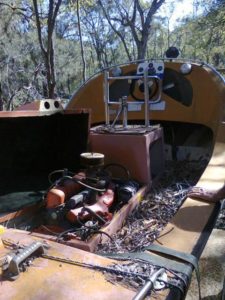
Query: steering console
{"type": "Point", "coordinates": [155, 72]}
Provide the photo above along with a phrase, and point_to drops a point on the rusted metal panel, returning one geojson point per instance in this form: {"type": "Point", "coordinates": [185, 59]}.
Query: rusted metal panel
{"type": "Point", "coordinates": [48, 279]}
{"type": "Point", "coordinates": [132, 151]}
{"type": "Point", "coordinates": [193, 218]}
{"type": "Point", "coordinates": [206, 85]}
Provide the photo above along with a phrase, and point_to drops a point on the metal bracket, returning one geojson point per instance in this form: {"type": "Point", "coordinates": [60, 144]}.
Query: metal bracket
{"type": "Point", "coordinates": [123, 102]}
{"type": "Point", "coordinates": [12, 271]}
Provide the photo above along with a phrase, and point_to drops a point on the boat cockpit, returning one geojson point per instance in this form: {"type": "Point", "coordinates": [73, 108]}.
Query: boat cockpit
{"type": "Point", "coordinates": [96, 176]}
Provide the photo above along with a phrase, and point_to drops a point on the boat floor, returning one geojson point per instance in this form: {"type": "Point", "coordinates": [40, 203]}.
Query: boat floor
{"type": "Point", "coordinates": [145, 223]}
{"type": "Point", "coordinates": [201, 215]}
{"type": "Point", "coordinates": [63, 279]}
{"type": "Point", "coordinates": [50, 279]}
{"type": "Point", "coordinates": [188, 231]}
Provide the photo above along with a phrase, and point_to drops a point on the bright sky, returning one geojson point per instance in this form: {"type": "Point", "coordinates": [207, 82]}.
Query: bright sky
{"type": "Point", "coordinates": [181, 9]}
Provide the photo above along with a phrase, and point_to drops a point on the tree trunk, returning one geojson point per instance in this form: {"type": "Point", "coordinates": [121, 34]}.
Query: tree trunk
{"type": "Point", "coordinates": [115, 30]}
{"type": "Point", "coordinates": [81, 43]}
{"type": "Point", "coordinates": [48, 51]}
{"type": "Point", "coordinates": [140, 32]}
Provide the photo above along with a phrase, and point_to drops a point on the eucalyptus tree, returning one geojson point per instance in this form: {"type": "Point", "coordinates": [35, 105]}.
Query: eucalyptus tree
{"type": "Point", "coordinates": [81, 40]}
{"type": "Point", "coordinates": [202, 36]}
{"type": "Point", "coordinates": [73, 28]}
{"type": "Point", "coordinates": [135, 15]}
{"type": "Point", "coordinates": [46, 41]}
{"type": "Point", "coordinates": [17, 69]}
{"type": "Point", "coordinates": [213, 24]}
{"type": "Point", "coordinates": [101, 37]}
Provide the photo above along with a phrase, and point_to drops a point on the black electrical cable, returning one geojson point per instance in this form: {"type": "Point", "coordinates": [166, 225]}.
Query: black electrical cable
{"type": "Point", "coordinates": [59, 171]}
{"type": "Point", "coordinates": [67, 231]}
{"type": "Point", "coordinates": [102, 232]}
{"type": "Point", "coordinates": [89, 186]}
{"type": "Point", "coordinates": [74, 179]}
{"type": "Point", "coordinates": [99, 218]}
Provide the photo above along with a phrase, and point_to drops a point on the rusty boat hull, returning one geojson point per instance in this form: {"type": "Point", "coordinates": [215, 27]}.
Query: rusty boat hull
{"type": "Point", "coordinates": [185, 122]}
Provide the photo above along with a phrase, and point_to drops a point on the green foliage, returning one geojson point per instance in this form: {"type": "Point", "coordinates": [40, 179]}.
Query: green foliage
{"type": "Point", "coordinates": [204, 37]}
{"type": "Point", "coordinates": [22, 68]}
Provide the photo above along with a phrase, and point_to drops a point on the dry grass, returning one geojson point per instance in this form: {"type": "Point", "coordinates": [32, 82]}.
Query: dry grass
{"type": "Point", "coordinates": [146, 222]}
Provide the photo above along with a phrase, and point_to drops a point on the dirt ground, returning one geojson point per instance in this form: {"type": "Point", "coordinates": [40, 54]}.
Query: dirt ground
{"type": "Point", "coordinates": [212, 269]}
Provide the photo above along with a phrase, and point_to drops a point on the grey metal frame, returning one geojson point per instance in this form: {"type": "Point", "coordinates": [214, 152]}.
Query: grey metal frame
{"type": "Point", "coordinates": [123, 103]}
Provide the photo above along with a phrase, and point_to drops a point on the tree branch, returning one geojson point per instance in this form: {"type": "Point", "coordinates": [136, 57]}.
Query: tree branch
{"type": "Point", "coordinates": [38, 23]}
{"type": "Point", "coordinates": [13, 7]}
{"type": "Point", "coordinates": [141, 13]}
{"type": "Point", "coordinates": [115, 30]}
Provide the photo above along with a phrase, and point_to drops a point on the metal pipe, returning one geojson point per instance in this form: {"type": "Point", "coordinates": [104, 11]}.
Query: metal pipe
{"type": "Point", "coordinates": [146, 93]}
{"type": "Point", "coordinates": [131, 77]}
{"type": "Point", "coordinates": [125, 109]}
{"type": "Point", "coordinates": [148, 285]}
{"type": "Point", "coordinates": [117, 116]}
{"type": "Point", "coordinates": [124, 103]}
{"type": "Point", "coordinates": [158, 99]}
{"type": "Point", "coordinates": [106, 97]}
{"type": "Point", "coordinates": [128, 102]}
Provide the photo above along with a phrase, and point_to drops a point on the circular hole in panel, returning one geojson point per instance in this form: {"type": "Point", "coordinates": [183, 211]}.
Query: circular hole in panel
{"type": "Point", "coordinates": [56, 104]}
{"type": "Point", "coordinates": [47, 105]}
